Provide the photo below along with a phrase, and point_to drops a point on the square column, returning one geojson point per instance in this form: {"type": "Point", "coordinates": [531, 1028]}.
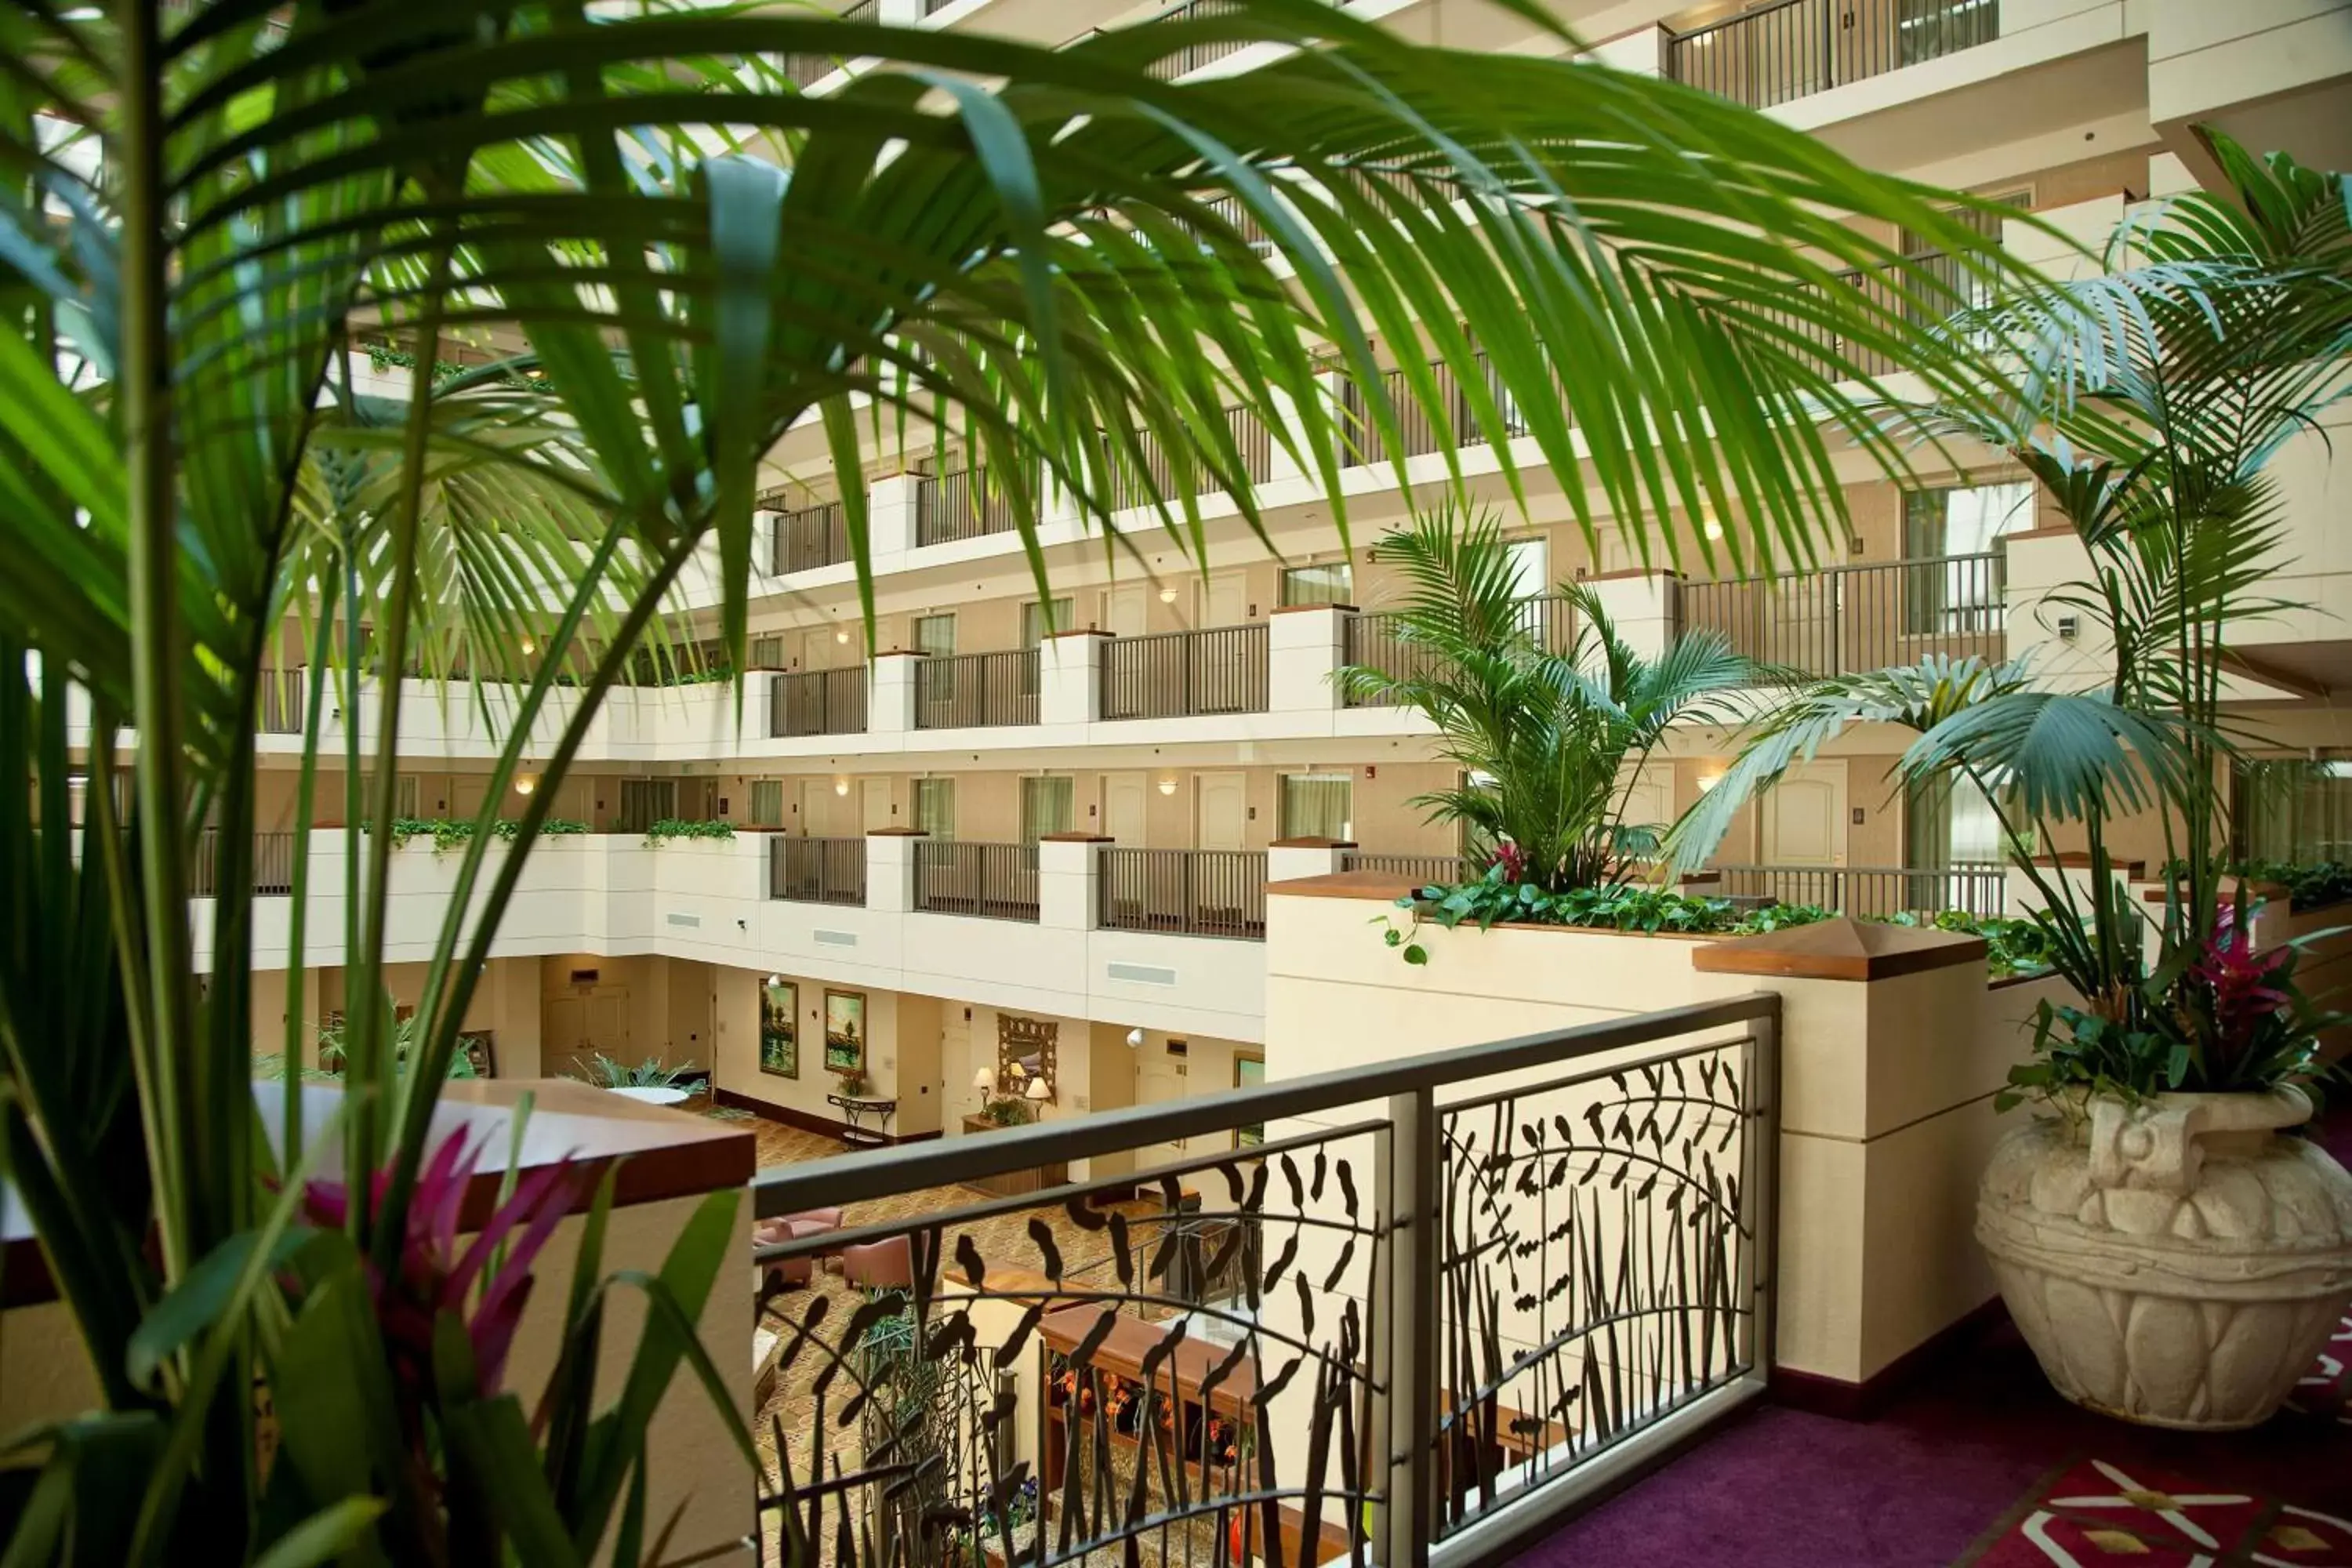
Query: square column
{"type": "Point", "coordinates": [890, 516]}
{"type": "Point", "coordinates": [890, 869]}
{"type": "Point", "coordinates": [1304, 652]}
{"type": "Point", "coordinates": [1289, 860]}
{"type": "Point", "coordinates": [891, 704]}
{"type": "Point", "coordinates": [1066, 869]}
{"type": "Point", "coordinates": [1644, 607]}
{"type": "Point", "coordinates": [1069, 677]}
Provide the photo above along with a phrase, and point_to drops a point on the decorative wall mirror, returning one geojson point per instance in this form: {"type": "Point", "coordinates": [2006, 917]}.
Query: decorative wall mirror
{"type": "Point", "coordinates": [1026, 1051]}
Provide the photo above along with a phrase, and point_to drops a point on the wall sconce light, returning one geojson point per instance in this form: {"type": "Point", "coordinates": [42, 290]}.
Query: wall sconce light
{"type": "Point", "coordinates": [1167, 595]}
{"type": "Point", "coordinates": [774, 981]}
{"type": "Point", "coordinates": [525, 784]}
{"type": "Point", "coordinates": [1712, 528]}
{"type": "Point", "coordinates": [529, 647]}
{"type": "Point", "coordinates": [1167, 786]}
{"type": "Point", "coordinates": [841, 787]}
{"type": "Point", "coordinates": [841, 636]}
{"type": "Point", "coordinates": [1708, 780]}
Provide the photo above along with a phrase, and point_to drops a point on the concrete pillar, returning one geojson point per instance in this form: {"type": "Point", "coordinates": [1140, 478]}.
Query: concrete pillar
{"type": "Point", "coordinates": [1289, 860]}
{"type": "Point", "coordinates": [1642, 606]}
{"type": "Point", "coordinates": [2072, 870]}
{"type": "Point", "coordinates": [890, 869]}
{"type": "Point", "coordinates": [890, 700]}
{"type": "Point", "coordinates": [890, 516]}
{"type": "Point", "coordinates": [1069, 677]}
{"type": "Point", "coordinates": [2069, 652]}
{"type": "Point", "coordinates": [1304, 646]}
{"type": "Point", "coordinates": [1067, 865]}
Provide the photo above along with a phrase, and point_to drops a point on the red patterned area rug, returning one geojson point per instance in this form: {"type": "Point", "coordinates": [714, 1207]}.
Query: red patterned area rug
{"type": "Point", "coordinates": [2101, 1512]}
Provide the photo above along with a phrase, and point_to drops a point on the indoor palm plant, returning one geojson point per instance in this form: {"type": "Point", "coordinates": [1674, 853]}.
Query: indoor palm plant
{"type": "Point", "coordinates": [660, 256]}
{"type": "Point", "coordinates": [2168, 1257]}
{"type": "Point", "coordinates": [1548, 712]}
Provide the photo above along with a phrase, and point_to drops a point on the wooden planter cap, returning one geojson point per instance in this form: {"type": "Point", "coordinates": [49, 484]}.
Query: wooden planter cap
{"type": "Point", "coordinates": [1841, 949]}
{"type": "Point", "coordinates": [1076, 839]}
{"type": "Point", "coordinates": [898, 833]}
{"type": "Point", "coordinates": [1313, 844]}
{"type": "Point", "coordinates": [1385, 886]}
{"type": "Point", "coordinates": [1302, 609]}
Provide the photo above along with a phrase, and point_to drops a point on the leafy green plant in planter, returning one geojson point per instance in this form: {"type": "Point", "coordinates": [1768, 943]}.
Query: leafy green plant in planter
{"type": "Point", "coordinates": [455, 833]}
{"type": "Point", "coordinates": [653, 1072]}
{"type": "Point", "coordinates": [196, 477]}
{"type": "Point", "coordinates": [1006, 1111]}
{"type": "Point", "coordinates": [1494, 899]}
{"type": "Point", "coordinates": [670, 828]}
{"type": "Point", "coordinates": [2309, 884]}
{"type": "Point", "coordinates": [2012, 946]}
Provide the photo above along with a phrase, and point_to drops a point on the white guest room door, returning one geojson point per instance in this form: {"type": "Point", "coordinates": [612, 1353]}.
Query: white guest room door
{"type": "Point", "coordinates": [1804, 816]}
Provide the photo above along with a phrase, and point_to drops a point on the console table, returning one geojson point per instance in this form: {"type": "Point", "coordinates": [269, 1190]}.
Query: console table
{"type": "Point", "coordinates": [1015, 1183]}
{"type": "Point", "coordinates": [857, 1108]}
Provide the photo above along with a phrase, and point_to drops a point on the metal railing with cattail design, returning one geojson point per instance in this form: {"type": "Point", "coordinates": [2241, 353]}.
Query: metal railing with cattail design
{"type": "Point", "coordinates": [817, 870]}
{"type": "Point", "coordinates": [1978, 888]}
{"type": "Point", "coordinates": [1772, 54]}
{"type": "Point", "coordinates": [1347, 1315]}
{"type": "Point", "coordinates": [1848, 620]}
{"type": "Point", "coordinates": [1184, 892]}
{"type": "Point", "coordinates": [1175, 674]}
{"type": "Point", "coordinates": [976, 690]}
{"type": "Point", "coordinates": [806, 538]}
{"type": "Point", "coordinates": [962, 504]}
{"type": "Point", "coordinates": [1375, 639]}
{"type": "Point", "coordinates": [818, 702]}
{"type": "Point", "coordinates": [272, 869]}
{"type": "Point", "coordinates": [993, 881]}
{"type": "Point", "coordinates": [1426, 870]}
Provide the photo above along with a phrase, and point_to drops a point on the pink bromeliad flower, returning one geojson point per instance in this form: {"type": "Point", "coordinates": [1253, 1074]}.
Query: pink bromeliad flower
{"type": "Point", "coordinates": [1512, 860]}
{"type": "Point", "coordinates": [437, 1276]}
{"type": "Point", "coordinates": [2241, 980]}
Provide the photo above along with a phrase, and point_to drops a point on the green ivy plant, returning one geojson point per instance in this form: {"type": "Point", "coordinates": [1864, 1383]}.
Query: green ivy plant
{"type": "Point", "coordinates": [670, 828]}
{"type": "Point", "coordinates": [1494, 899]}
{"type": "Point", "coordinates": [449, 833]}
{"type": "Point", "coordinates": [651, 1073]}
{"type": "Point", "coordinates": [2011, 946]}
{"type": "Point", "coordinates": [2309, 884]}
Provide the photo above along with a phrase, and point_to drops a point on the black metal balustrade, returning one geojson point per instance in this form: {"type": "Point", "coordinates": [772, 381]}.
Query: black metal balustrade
{"type": "Point", "coordinates": [1772, 54]}
{"type": "Point", "coordinates": [808, 537]}
{"type": "Point", "coordinates": [1185, 892]}
{"type": "Point", "coordinates": [976, 690]}
{"type": "Point", "coordinates": [994, 881]}
{"type": "Point", "coordinates": [1975, 888]}
{"type": "Point", "coordinates": [285, 701]}
{"type": "Point", "coordinates": [1419, 432]}
{"type": "Point", "coordinates": [1376, 1309]}
{"type": "Point", "coordinates": [961, 505]}
{"type": "Point", "coordinates": [272, 870]}
{"type": "Point", "coordinates": [817, 870]}
{"type": "Point", "coordinates": [1426, 870]}
{"type": "Point", "coordinates": [818, 702]}
{"type": "Point", "coordinates": [1851, 619]}
{"type": "Point", "coordinates": [1253, 443]}
{"type": "Point", "coordinates": [1172, 675]}
{"type": "Point", "coordinates": [1375, 639]}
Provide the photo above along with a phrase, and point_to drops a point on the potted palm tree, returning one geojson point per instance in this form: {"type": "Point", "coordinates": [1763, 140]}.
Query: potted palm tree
{"type": "Point", "coordinates": [621, 257]}
{"type": "Point", "coordinates": [2171, 1253]}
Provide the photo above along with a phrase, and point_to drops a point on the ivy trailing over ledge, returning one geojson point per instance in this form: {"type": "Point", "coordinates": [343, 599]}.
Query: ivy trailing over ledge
{"type": "Point", "coordinates": [383, 356]}
{"type": "Point", "coordinates": [449, 833]}
{"type": "Point", "coordinates": [670, 828]}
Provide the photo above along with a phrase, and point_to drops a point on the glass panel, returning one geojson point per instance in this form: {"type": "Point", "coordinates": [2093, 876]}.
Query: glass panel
{"type": "Point", "coordinates": [935, 806]}
{"type": "Point", "coordinates": [1530, 566]}
{"type": "Point", "coordinates": [767, 803]}
{"type": "Point", "coordinates": [2290, 809]}
{"type": "Point", "coordinates": [1034, 625]}
{"type": "Point", "coordinates": [936, 635]}
{"type": "Point", "coordinates": [1318, 806]}
{"type": "Point", "coordinates": [1330, 584]}
{"type": "Point", "coordinates": [1045, 807]}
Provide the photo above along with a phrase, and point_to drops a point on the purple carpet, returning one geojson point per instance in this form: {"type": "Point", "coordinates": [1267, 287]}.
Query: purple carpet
{"type": "Point", "coordinates": [1981, 1464]}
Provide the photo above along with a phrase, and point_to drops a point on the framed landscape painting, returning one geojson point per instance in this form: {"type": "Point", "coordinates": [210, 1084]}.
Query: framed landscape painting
{"type": "Point", "coordinates": [780, 1032]}
{"type": "Point", "coordinates": [845, 1031]}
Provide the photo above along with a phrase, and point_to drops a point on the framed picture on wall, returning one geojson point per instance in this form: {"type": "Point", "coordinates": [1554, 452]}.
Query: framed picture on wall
{"type": "Point", "coordinates": [779, 1029]}
{"type": "Point", "coordinates": [845, 1031]}
{"type": "Point", "coordinates": [480, 1047]}
{"type": "Point", "coordinates": [1249, 1072]}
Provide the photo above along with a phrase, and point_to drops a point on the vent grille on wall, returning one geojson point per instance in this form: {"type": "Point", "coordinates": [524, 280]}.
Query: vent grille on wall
{"type": "Point", "coordinates": [684, 920]}
{"type": "Point", "coordinates": [1142, 974]}
{"type": "Point", "coordinates": [836, 939]}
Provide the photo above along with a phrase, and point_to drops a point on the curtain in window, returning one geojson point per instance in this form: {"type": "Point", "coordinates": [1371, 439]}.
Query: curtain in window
{"type": "Point", "coordinates": [2290, 809]}
{"type": "Point", "coordinates": [1334, 584]}
{"type": "Point", "coordinates": [1318, 805]}
{"type": "Point", "coordinates": [767, 803]}
{"type": "Point", "coordinates": [1046, 805]}
{"type": "Point", "coordinates": [1038, 621]}
{"type": "Point", "coordinates": [644, 802]}
{"type": "Point", "coordinates": [935, 806]}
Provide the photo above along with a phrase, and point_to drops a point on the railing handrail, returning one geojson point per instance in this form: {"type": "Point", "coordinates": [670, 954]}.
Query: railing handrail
{"type": "Point", "coordinates": [978, 660]}
{"type": "Point", "coordinates": [1994, 558]}
{"type": "Point", "coordinates": [1749, 15]}
{"type": "Point", "coordinates": [1139, 640]}
{"type": "Point", "coordinates": [1957, 866]}
{"type": "Point", "coordinates": [869, 1174]}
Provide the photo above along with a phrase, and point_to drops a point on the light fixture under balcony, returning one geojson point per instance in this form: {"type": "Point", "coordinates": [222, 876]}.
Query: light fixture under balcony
{"type": "Point", "coordinates": [526, 784]}
{"type": "Point", "coordinates": [1167, 595]}
{"type": "Point", "coordinates": [1167, 786]}
{"type": "Point", "coordinates": [529, 647]}
{"type": "Point", "coordinates": [1708, 780]}
{"type": "Point", "coordinates": [841, 636]}
{"type": "Point", "coordinates": [841, 787]}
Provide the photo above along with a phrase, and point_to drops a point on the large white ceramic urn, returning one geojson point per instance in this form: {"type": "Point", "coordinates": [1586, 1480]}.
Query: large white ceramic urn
{"type": "Point", "coordinates": [2176, 1261]}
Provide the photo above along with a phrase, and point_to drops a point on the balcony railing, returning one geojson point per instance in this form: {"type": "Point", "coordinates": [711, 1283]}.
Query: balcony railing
{"type": "Point", "coordinates": [285, 701]}
{"type": "Point", "coordinates": [1252, 440]}
{"type": "Point", "coordinates": [1980, 890]}
{"type": "Point", "coordinates": [960, 505]}
{"type": "Point", "coordinates": [1852, 619]}
{"type": "Point", "coordinates": [1175, 674]}
{"type": "Point", "coordinates": [976, 690]}
{"type": "Point", "coordinates": [1772, 54]}
{"type": "Point", "coordinates": [994, 881]}
{"type": "Point", "coordinates": [817, 870]}
{"type": "Point", "coordinates": [1375, 640]}
{"type": "Point", "coordinates": [1426, 870]}
{"type": "Point", "coordinates": [272, 869]}
{"type": "Point", "coordinates": [1418, 431]}
{"type": "Point", "coordinates": [818, 702]}
{"type": "Point", "coordinates": [1506, 1273]}
{"type": "Point", "coordinates": [807, 538]}
{"type": "Point", "coordinates": [1186, 892]}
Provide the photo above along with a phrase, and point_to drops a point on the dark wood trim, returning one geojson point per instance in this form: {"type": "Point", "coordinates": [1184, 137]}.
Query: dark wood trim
{"type": "Point", "coordinates": [2080, 860]}
{"type": "Point", "coordinates": [1384, 886]}
{"type": "Point", "coordinates": [1630, 573]}
{"type": "Point", "coordinates": [1302, 609]}
{"type": "Point", "coordinates": [1076, 839]}
{"type": "Point", "coordinates": [898, 833]}
{"type": "Point", "coordinates": [802, 1121]}
{"type": "Point", "coordinates": [1841, 949]}
{"type": "Point", "coordinates": [903, 653]}
{"type": "Point", "coordinates": [1867, 1400]}
{"type": "Point", "coordinates": [1314, 844]}
{"type": "Point", "coordinates": [1079, 632]}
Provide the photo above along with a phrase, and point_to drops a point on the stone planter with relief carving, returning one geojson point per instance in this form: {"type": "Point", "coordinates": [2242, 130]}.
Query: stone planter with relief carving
{"type": "Point", "coordinates": [2176, 1262]}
